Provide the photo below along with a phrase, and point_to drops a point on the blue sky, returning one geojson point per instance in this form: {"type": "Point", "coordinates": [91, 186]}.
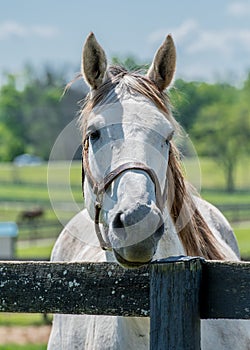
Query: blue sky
{"type": "Point", "coordinates": [212, 37]}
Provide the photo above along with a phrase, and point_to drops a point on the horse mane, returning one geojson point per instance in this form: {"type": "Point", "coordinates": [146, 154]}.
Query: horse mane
{"type": "Point", "coordinates": [196, 236]}
{"type": "Point", "coordinates": [194, 233]}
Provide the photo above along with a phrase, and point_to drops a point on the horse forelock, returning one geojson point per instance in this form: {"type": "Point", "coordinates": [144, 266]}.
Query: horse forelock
{"type": "Point", "coordinates": [192, 229]}
{"type": "Point", "coordinates": [118, 83]}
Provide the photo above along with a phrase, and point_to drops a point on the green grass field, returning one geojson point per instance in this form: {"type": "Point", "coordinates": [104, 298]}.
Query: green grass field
{"type": "Point", "coordinates": [34, 250]}
{"type": "Point", "coordinates": [243, 237]}
{"type": "Point", "coordinates": [57, 188]}
{"type": "Point", "coordinates": [23, 347]}
{"type": "Point", "coordinates": [21, 319]}
{"type": "Point", "coordinates": [61, 181]}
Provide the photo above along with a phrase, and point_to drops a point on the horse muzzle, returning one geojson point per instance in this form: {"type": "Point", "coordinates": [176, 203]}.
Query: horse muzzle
{"type": "Point", "coordinates": [134, 235]}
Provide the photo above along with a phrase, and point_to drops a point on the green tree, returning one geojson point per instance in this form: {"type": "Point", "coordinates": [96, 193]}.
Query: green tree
{"type": "Point", "coordinates": [10, 146]}
{"type": "Point", "coordinates": [188, 98]}
{"type": "Point", "coordinates": [11, 119]}
{"type": "Point", "coordinates": [47, 112]}
{"type": "Point", "coordinates": [130, 63]}
{"type": "Point", "coordinates": [222, 131]}
{"type": "Point", "coordinates": [31, 118]}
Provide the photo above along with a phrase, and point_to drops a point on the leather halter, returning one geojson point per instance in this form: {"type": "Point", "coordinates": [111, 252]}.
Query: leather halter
{"type": "Point", "coordinates": [99, 188]}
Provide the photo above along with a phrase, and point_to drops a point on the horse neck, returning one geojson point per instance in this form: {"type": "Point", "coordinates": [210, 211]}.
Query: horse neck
{"type": "Point", "coordinates": [170, 243]}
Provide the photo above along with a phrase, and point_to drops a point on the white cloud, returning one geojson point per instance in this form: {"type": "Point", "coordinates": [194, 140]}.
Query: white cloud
{"type": "Point", "coordinates": [10, 29]}
{"type": "Point", "coordinates": [185, 30]}
{"type": "Point", "coordinates": [239, 9]}
{"type": "Point", "coordinates": [225, 41]}
{"type": "Point", "coordinates": [179, 33]}
{"type": "Point", "coordinates": [193, 39]}
{"type": "Point", "coordinates": [45, 31]}
{"type": "Point", "coordinates": [157, 36]}
{"type": "Point", "coordinates": [204, 51]}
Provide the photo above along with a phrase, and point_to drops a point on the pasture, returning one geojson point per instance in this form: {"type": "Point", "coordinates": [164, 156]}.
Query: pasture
{"type": "Point", "coordinates": [57, 189]}
{"type": "Point", "coordinates": [23, 347]}
{"type": "Point", "coordinates": [26, 187]}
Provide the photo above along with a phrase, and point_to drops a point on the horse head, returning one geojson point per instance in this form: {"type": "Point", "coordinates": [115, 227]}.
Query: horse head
{"type": "Point", "coordinates": [127, 130]}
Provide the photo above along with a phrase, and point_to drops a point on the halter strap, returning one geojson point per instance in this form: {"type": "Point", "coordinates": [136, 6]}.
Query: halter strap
{"type": "Point", "coordinates": [99, 188]}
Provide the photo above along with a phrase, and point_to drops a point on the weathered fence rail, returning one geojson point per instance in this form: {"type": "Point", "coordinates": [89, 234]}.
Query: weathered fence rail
{"type": "Point", "coordinates": [188, 288]}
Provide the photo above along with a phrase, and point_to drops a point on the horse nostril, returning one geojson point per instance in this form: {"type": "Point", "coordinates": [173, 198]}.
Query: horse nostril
{"type": "Point", "coordinates": [117, 222]}
{"type": "Point", "coordinates": [118, 226]}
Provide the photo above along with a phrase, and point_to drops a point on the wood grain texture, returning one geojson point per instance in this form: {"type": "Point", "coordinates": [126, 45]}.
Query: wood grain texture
{"type": "Point", "coordinates": [174, 302]}
{"type": "Point", "coordinates": [73, 288]}
{"type": "Point", "coordinates": [108, 289]}
{"type": "Point", "coordinates": [225, 290]}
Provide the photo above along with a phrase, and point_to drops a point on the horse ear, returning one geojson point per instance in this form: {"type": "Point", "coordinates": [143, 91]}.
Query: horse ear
{"type": "Point", "coordinates": [94, 62]}
{"type": "Point", "coordinates": [163, 67]}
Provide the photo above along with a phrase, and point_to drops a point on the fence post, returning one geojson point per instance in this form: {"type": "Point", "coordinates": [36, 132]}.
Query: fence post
{"type": "Point", "coordinates": [174, 304]}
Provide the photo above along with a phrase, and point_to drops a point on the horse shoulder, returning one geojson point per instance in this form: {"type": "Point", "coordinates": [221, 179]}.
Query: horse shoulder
{"type": "Point", "coordinates": [225, 334]}
{"type": "Point", "coordinates": [219, 225]}
{"type": "Point", "coordinates": [77, 241]}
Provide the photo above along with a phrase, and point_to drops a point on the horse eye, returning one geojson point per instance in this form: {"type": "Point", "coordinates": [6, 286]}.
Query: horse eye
{"type": "Point", "coordinates": [95, 135]}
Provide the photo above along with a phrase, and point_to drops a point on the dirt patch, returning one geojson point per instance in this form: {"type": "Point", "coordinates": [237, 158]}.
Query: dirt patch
{"type": "Point", "coordinates": [24, 335]}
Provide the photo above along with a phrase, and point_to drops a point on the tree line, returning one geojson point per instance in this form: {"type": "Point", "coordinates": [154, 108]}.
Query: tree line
{"type": "Point", "coordinates": [32, 117]}
{"type": "Point", "coordinates": [216, 116]}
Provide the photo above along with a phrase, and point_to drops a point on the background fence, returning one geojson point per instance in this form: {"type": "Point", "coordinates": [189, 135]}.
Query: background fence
{"type": "Point", "coordinates": [235, 212]}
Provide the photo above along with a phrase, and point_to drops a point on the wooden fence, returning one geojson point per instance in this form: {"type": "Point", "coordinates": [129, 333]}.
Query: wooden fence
{"type": "Point", "coordinates": [181, 289]}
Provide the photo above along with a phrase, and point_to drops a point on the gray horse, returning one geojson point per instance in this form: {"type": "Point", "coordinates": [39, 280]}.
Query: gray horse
{"type": "Point", "coordinates": [138, 205]}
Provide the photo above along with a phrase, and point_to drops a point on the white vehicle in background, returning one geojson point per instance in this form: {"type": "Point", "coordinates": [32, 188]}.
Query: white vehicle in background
{"type": "Point", "coordinates": [27, 159]}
